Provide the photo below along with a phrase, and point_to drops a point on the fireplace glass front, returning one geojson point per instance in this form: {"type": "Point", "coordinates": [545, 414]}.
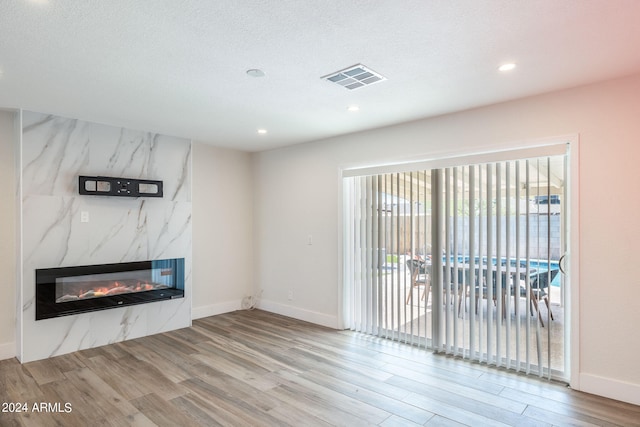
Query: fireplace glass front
{"type": "Point", "coordinates": [70, 290]}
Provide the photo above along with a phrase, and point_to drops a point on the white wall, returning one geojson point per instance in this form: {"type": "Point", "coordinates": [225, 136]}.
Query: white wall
{"type": "Point", "coordinates": [7, 235]}
{"type": "Point", "coordinates": [297, 194]}
{"type": "Point", "coordinates": [222, 224]}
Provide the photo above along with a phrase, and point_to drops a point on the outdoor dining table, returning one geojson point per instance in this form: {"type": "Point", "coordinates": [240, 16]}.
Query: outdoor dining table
{"type": "Point", "coordinates": [462, 280]}
{"type": "Point", "coordinates": [465, 268]}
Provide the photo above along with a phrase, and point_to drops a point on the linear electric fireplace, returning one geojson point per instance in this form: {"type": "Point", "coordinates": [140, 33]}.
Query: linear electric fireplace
{"type": "Point", "coordinates": [70, 290]}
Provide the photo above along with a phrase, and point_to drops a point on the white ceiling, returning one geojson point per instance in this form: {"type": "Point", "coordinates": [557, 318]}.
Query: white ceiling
{"type": "Point", "coordinates": [178, 66]}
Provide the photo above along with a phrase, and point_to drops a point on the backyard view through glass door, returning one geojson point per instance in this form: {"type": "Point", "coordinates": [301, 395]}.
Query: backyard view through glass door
{"type": "Point", "coordinates": [487, 286]}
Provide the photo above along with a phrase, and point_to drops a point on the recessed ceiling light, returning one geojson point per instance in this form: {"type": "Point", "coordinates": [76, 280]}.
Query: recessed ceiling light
{"type": "Point", "coordinates": [262, 131]}
{"type": "Point", "coordinates": [353, 108]}
{"type": "Point", "coordinates": [507, 67]}
{"type": "Point", "coordinates": [254, 72]}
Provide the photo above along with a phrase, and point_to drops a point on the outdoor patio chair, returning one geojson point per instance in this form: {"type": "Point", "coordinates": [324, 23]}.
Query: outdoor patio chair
{"type": "Point", "coordinates": [461, 283]}
{"type": "Point", "coordinates": [485, 291]}
{"type": "Point", "coordinates": [539, 284]}
{"type": "Point", "coordinates": [419, 277]}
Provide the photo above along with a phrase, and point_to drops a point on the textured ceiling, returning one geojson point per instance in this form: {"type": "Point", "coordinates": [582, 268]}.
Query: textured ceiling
{"type": "Point", "coordinates": [178, 66]}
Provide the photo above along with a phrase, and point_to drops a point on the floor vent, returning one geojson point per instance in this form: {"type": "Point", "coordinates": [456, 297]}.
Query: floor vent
{"type": "Point", "coordinates": [354, 77]}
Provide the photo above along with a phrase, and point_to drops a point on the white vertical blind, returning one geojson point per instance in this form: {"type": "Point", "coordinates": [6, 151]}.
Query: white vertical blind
{"type": "Point", "coordinates": [460, 260]}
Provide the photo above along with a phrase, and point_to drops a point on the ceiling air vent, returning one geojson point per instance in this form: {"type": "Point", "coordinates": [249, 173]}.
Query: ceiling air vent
{"type": "Point", "coordinates": [354, 77]}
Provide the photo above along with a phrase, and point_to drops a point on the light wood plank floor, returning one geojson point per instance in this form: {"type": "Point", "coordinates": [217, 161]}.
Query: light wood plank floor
{"type": "Point", "coordinates": [252, 368]}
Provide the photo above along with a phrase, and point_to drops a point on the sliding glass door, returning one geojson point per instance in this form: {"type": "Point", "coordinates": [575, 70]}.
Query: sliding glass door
{"type": "Point", "coordinates": [388, 233]}
{"type": "Point", "coordinates": [464, 260]}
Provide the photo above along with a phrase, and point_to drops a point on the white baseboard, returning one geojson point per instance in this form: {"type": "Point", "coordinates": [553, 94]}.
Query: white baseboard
{"type": "Point", "coordinates": [7, 350]}
{"type": "Point", "coordinates": [299, 313]}
{"type": "Point", "coordinates": [613, 389]}
{"type": "Point", "coordinates": [214, 309]}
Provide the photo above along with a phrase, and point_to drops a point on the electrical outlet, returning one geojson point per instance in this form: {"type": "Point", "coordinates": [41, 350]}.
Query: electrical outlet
{"type": "Point", "coordinates": [310, 240]}
{"type": "Point", "coordinates": [290, 295]}
{"type": "Point", "coordinates": [84, 216]}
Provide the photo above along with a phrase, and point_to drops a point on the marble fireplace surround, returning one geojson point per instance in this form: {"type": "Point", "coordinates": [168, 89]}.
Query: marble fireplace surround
{"type": "Point", "coordinates": [54, 151]}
